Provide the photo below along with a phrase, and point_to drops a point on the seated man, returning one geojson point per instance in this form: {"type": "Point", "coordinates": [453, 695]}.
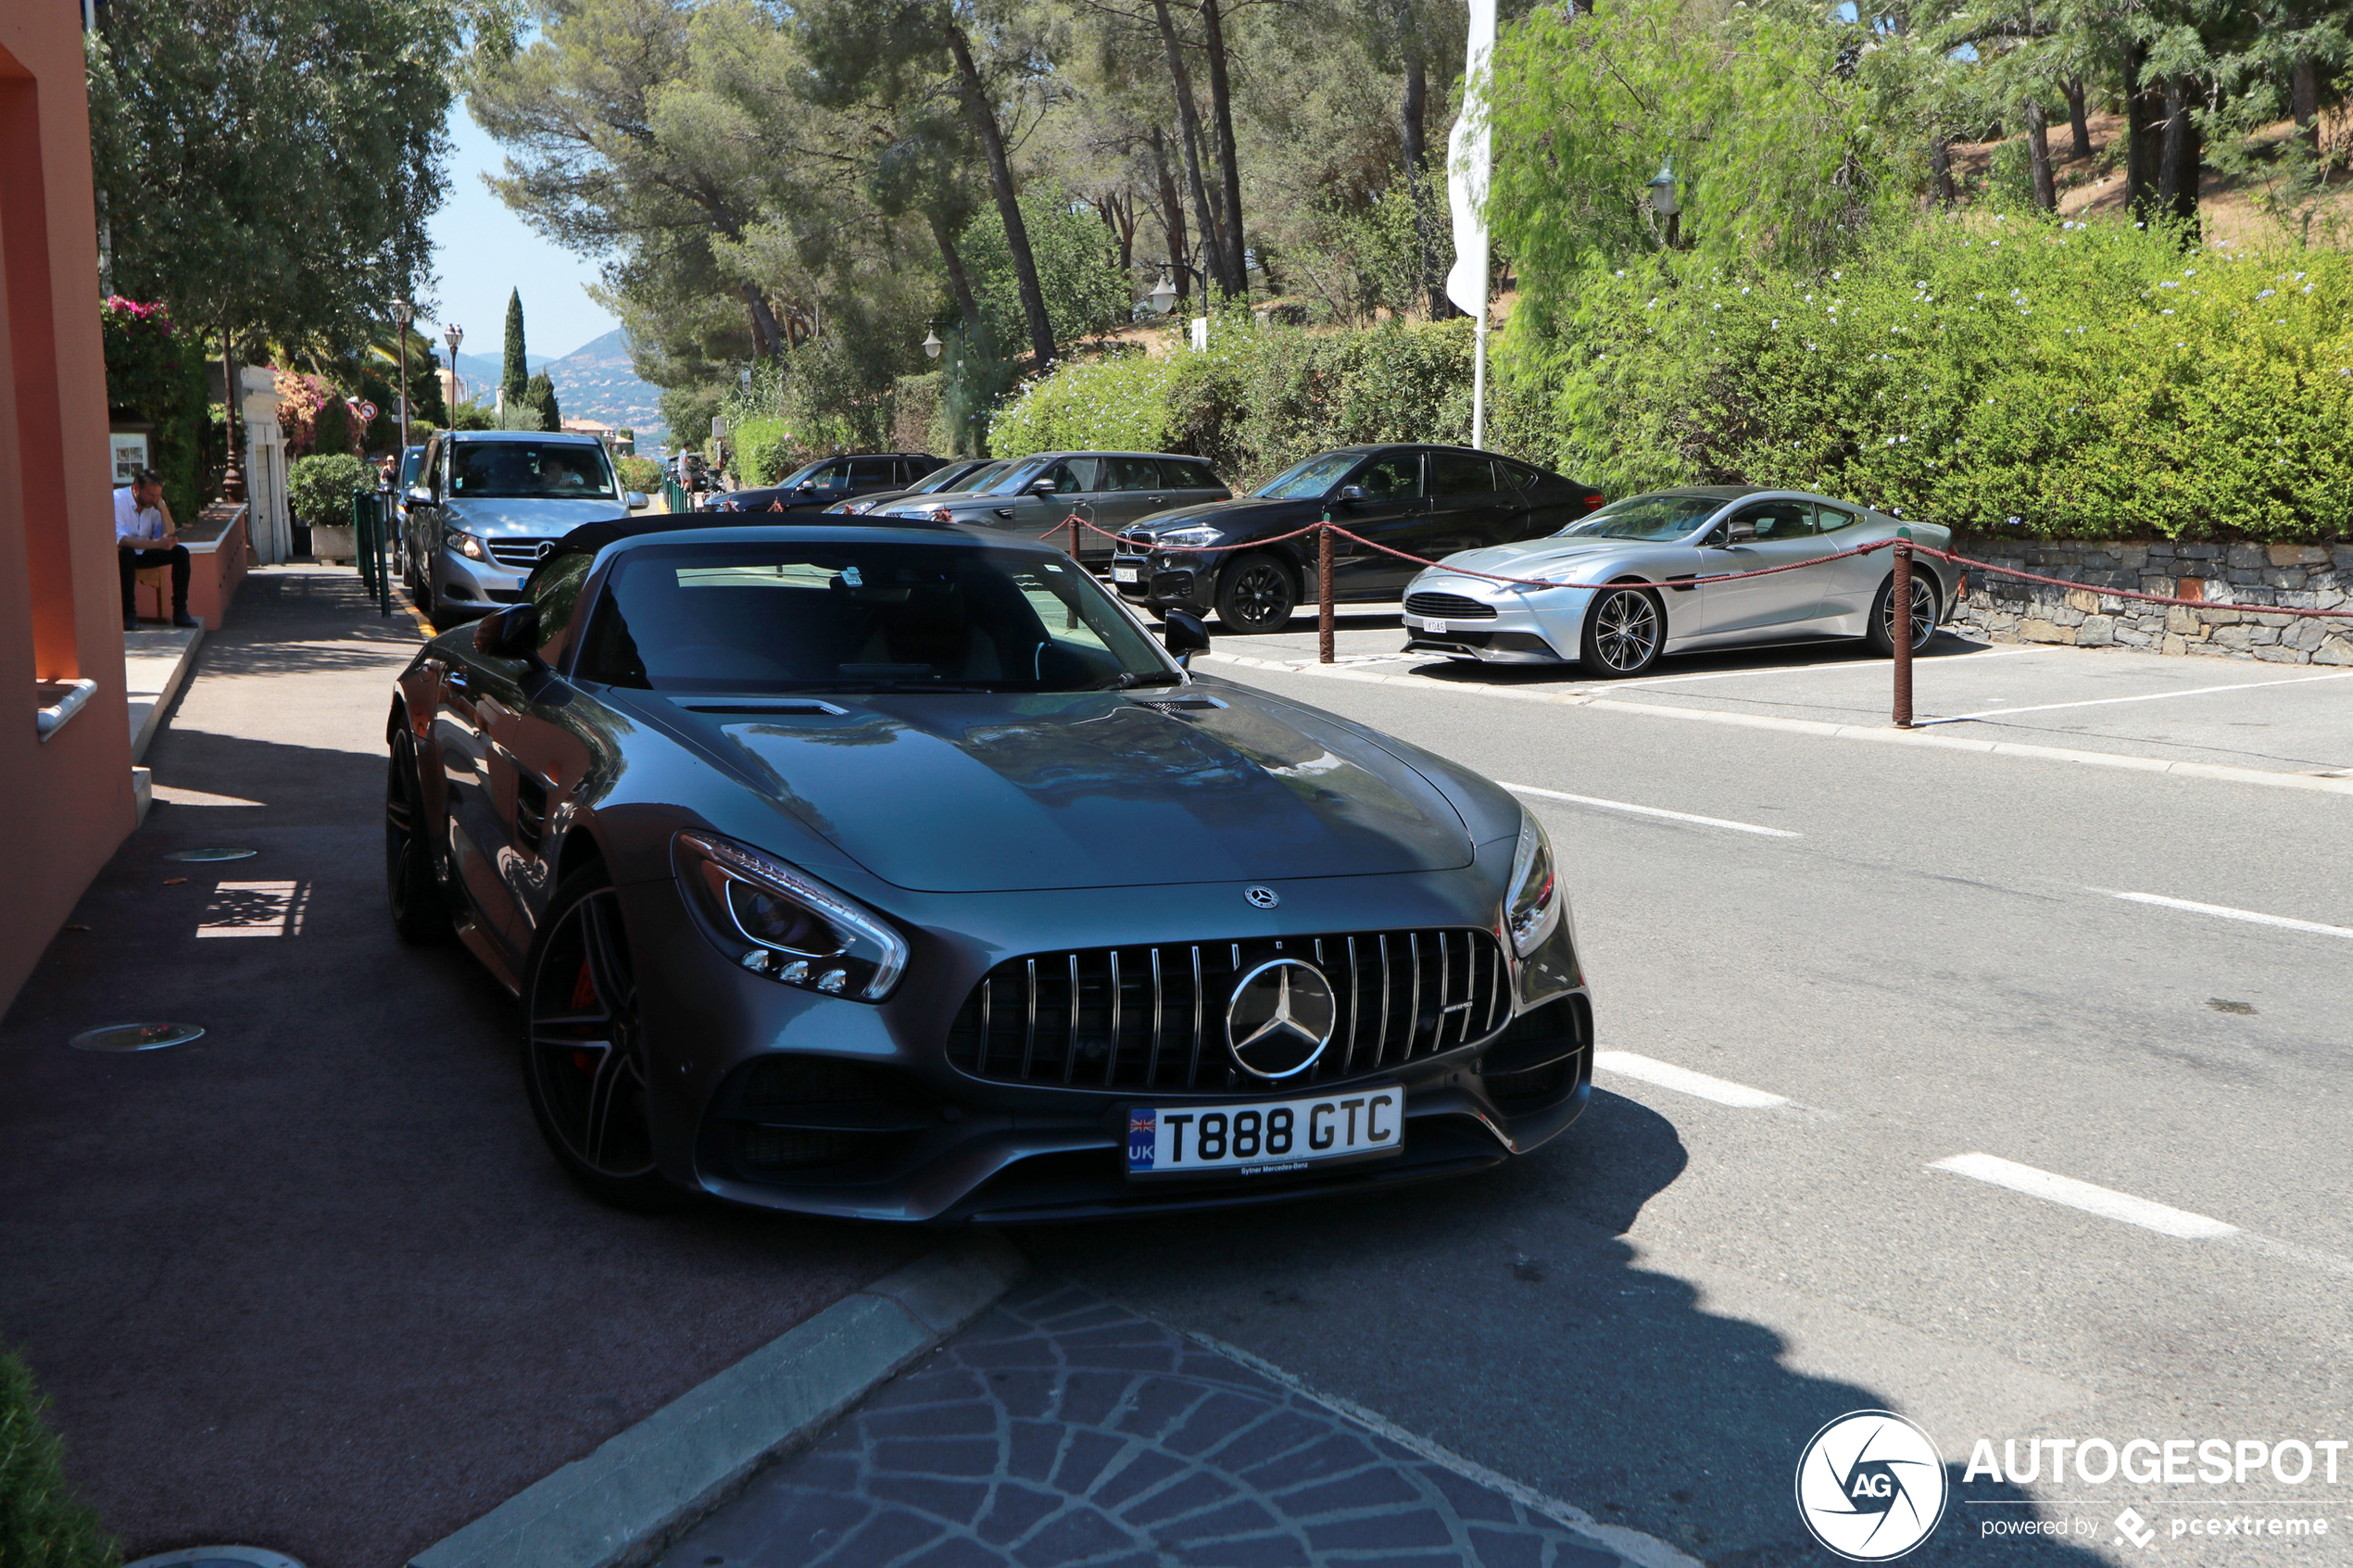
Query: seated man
{"type": "Point", "coordinates": [145, 535]}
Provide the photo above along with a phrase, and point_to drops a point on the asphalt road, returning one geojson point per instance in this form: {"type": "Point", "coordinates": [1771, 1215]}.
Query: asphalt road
{"type": "Point", "coordinates": [1925, 957]}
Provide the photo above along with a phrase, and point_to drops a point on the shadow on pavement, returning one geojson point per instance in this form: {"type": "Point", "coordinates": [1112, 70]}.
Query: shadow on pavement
{"type": "Point", "coordinates": [1508, 1317]}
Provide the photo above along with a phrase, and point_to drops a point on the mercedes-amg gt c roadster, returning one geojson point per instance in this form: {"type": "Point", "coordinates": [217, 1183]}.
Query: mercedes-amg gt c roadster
{"type": "Point", "coordinates": [896, 873]}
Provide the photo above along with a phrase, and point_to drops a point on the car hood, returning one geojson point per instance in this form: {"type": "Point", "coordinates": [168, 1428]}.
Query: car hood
{"type": "Point", "coordinates": [530, 516]}
{"type": "Point", "coordinates": [1527, 557]}
{"type": "Point", "coordinates": [988, 794]}
{"type": "Point", "coordinates": [1241, 514]}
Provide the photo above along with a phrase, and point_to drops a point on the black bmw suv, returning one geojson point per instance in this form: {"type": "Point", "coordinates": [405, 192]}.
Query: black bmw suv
{"type": "Point", "coordinates": [1428, 501]}
{"type": "Point", "coordinates": [828, 480]}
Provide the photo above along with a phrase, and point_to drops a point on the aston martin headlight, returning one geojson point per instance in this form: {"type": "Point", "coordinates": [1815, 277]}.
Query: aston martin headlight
{"type": "Point", "coordinates": [1532, 909]}
{"type": "Point", "coordinates": [1191, 538]}
{"type": "Point", "coordinates": [779, 922]}
{"type": "Point", "coordinates": [468, 545]}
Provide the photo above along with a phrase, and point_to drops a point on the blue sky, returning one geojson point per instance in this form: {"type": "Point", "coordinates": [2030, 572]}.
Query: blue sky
{"type": "Point", "coordinates": [481, 250]}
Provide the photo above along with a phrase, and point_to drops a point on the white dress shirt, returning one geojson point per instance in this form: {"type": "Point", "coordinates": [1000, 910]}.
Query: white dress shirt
{"type": "Point", "coordinates": [133, 523]}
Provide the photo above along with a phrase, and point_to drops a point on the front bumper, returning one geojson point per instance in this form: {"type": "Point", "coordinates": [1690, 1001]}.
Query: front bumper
{"type": "Point", "coordinates": [1167, 579]}
{"type": "Point", "coordinates": [1525, 627]}
{"type": "Point", "coordinates": [895, 1131]}
{"type": "Point", "coordinates": [469, 585]}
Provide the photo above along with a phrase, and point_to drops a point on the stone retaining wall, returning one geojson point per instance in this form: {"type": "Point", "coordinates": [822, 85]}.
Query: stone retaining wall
{"type": "Point", "coordinates": [2231, 581]}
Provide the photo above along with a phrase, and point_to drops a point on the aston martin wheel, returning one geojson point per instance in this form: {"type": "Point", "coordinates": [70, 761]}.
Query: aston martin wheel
{"type": "Point", "coordinates": [1624, 632]}
{"type": "Point", "coordinates": [585, 1048]}
{"type": "Point", "coordinates": [420, 911]}
{"type": "Point", "coordinates": [1925, 609]}
{"type": "Point", "coordinates": [1255, 595]}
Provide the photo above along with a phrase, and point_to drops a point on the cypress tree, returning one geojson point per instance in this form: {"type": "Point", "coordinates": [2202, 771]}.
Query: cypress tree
{"type": "Point", "coordinates": [540, 393]}
{"type": "Point", "coordinates": [516, 374]}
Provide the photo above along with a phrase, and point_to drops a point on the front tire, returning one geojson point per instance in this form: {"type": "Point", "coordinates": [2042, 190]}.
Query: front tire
{"type": "Point", "coordinates": [1926, 612]}
{"type": "Point", "coordinates": [419, 907]}
{"type": "Point", "coordinates": [585, 1057]}
{"type": "Point", "coordinates": [1256, 596]}
{"type": "Point", "coordinates": [1624, 631]}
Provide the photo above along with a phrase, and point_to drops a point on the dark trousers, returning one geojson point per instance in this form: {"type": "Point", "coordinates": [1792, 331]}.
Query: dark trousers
{"type": "Point", "coordinates": [133, 561]}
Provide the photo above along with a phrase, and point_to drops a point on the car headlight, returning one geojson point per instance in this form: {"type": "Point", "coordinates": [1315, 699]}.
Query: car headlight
{"type": "Point", "coordinates": [775, 922]}
{"type": "Point", "coordinates": [1188, 538]}
{"type": "Point", "coordinates": [1532, 909]}
{"type": "Point", "coordinates": [849, 509]}
{"type": "Point", "coordinates": [468, 545]}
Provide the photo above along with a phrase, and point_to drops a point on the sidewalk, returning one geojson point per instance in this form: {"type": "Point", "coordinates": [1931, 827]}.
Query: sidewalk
{"type": "Point", "coordinates": [313, 1282]}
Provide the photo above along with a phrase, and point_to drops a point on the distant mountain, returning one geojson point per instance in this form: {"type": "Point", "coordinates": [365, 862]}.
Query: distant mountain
{"type": "Point", "coordinates": [594, 382]}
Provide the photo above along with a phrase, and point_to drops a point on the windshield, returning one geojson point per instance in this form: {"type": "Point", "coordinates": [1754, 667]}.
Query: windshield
{"type": "Point", "coordinates": [957, 477]}
{"type": "Point", "coordinates": [1011, 477]}
{"type": "Point", "coordinates": [576, 468]}
{"type": "Point", "coordinates": [795, 616]}
{"type": "Point", "coordinates": [1655, 518]}
{"type": "Point", "coordinates": [1310, 479]}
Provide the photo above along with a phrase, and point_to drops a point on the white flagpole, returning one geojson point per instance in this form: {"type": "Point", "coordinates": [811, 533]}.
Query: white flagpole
{"type": "Point", "coordinates": [1469, 158]}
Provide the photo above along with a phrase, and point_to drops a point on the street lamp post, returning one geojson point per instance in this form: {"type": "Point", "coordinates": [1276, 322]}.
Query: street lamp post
{"type": "Point", "coordinates": [402, 314]}
{"type": "Point", "coordinates": [453, 334]}
{"type": "Point", "coordinates": [1163, 295]}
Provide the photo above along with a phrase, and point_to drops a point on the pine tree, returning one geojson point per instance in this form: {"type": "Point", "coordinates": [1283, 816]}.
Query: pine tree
{"type": "Point", "coordinates": [540, 393]}
{"type": "Point", "coordinates": [517, 372]}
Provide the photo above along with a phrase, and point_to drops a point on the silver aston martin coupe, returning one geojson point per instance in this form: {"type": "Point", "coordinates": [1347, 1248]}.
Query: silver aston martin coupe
{"type": "Point", "coordinates": [1620, 591]}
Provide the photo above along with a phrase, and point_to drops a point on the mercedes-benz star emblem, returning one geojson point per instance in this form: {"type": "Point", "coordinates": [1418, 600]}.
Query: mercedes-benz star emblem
{"type": "Point", "coordinates": [1280, 1019]}
{"type": "Point", "coordinates": [547, 548]}
{"type": "Point", "coordinates": [1261, 896]}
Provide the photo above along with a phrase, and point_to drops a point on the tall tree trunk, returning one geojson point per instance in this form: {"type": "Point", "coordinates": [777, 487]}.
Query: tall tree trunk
{"type": "Point", "coordinates": [767, 337]}
{"type": "Point", "coordinates": [1412, 133]}
{"type": "Point", "coordinates": [2142, 129]}
{"type": "Point", "coordinates": [2079, 125]}
{"type": "Point", "coordinates": [1001, 179]}
{"type": "Point", "coordinates": [2304, 103]}
{"type": "Point", "coordinates": [1189, 123]}
{"type": "Point", "coordinates": [1171, 214]}
{"type": "Point", "coordinates": [1221, 105]}
{"type": "Point", "coordinates": [1939, 163]}
{"type": "Point", "coordinates": [959, 284]}
{"type": "Point", "coordinates": [2181, 154]}
{"type": "Point", "coordinates": [2038, 155]}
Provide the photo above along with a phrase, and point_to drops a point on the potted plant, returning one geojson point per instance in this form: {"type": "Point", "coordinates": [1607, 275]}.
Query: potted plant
{"type": "Point", "coordinates": [319, 489]}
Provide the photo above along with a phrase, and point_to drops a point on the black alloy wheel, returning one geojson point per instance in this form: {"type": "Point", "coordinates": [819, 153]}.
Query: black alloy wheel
{"type": "Point", "coordinates": [1925, 608]}
{"type": "Point", "coordinates": [419, 908]}
{"type": "Point", "coordinates": [1255, 595]}
{"type": "Point", "coordinates": [584, 1057]}
{"type": "Point", "coordinates": [1624, 632]}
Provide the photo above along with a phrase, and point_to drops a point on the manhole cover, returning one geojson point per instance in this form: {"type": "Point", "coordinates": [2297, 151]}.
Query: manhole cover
{"type": "Point", "coordinates": [135, 1036]}
{"type": "Point", "coordinates": [218, 1556]}
{"type": "Point", "coordinates": [212, 854]}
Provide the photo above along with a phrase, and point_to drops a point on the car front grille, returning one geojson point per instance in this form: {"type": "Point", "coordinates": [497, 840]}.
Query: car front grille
{"type": "Point", "coordinates": [1449, 607]}
{"type": "Point", "coordinates": [1139, 542]}
{"type": "Point", "coordinates": [1155, 1018]}
{"type": "Point", "coordinates": [515, 555]}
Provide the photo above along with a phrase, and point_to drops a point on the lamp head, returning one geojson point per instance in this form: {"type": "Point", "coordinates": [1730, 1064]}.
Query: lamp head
{"type": "Point", "coordinates": [1163, 294]}
{"type": "Point", "coordinates": [932, 345]}
{"type": "Point", "coordinates": [1662, 189]}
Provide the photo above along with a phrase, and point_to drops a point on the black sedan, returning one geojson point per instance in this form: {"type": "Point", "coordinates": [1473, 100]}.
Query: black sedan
{"type": "Point", "coordinates": [896, 873]}
{"type": "Point", "coordinates": [820, 484]}
{"type": "Point", "coordinates": [1428, 501]}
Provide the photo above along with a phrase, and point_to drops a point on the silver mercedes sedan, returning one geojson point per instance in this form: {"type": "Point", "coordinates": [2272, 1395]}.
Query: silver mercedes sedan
{"type": "Point", "coordinates": [1625, 595]}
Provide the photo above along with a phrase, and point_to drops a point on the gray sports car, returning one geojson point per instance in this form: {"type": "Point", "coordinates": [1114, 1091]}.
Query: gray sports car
{"type": "Point", "coordinates": [1635, 550]}
{"type": "Point", "coordinates": [896, 873]}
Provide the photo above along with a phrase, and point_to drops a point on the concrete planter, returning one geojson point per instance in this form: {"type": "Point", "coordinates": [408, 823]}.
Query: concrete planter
{"type": "Point", "coordinates": [2234, 585]}
{"type": "Point", "coordinates": [333, 542]}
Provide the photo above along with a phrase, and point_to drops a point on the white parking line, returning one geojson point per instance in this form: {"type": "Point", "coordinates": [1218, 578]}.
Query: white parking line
{"type": "Point", "coordinates": [1683, 1081]}
{"type": "Point", "coordinates": [1648, 811]}
{"type": "Point", "coordinates": [2226, 913]}
{"type": "Point", "coordinates": [1851, 664]}
{"type": "Point", "coordinates": [2144, 696]}
{"type": "Point", "coordinates": [2103, 1201]}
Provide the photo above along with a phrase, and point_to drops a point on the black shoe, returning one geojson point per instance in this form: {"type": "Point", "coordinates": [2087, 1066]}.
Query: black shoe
{"type": "Point", "coordinates": [182, 619]}
{"type": "Point", "coordinates": [131, 623]}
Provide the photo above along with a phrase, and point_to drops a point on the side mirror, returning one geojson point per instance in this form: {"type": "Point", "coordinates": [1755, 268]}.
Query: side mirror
{"type": "Point", "coordinates": [511, 633]}
{"type": "Point", "coordinates": [1349, 493]}
{"type": "Point", "coordinates": [419, 495]}
{"type": "Point", "coordinates": [1044, 487]}
{"type": "Point", "coordinates": [636, 500]}
{"type": "Point", "coordinates": [1186, 635]}
{"type": "Point", "coordinates": [1740, 527]}
{"type": "Point", "coordinates": [808, 484]}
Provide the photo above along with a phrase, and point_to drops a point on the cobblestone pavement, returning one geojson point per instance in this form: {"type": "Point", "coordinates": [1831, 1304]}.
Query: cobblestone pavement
{"type": "Point", "coordinates": [1060, 1429]}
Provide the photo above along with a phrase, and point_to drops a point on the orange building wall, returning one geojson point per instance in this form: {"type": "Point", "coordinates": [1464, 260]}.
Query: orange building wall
{"type": "Point", "coordinates": [66, 802]}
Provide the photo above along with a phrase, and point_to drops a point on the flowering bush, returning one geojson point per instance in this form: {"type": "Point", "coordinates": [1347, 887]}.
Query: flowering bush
{"type": "Point", "coordinates": [2068, 380]}
{"type": "Point", "coordinates": [157, 375]}
{"type": "Point", "coordinates": [299, 399]}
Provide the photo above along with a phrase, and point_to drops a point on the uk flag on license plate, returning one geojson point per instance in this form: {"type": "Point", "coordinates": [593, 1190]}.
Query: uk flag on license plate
{"type": "Point", "coordinates": [1142, 1135]}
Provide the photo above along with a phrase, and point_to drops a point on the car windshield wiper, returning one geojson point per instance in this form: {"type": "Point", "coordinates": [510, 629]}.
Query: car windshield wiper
{"type": "Point", "coordinates": [1128, 680]}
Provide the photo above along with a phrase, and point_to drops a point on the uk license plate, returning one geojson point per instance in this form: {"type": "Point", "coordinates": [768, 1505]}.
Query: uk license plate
{"type": "Point", "coordinates": [1428, 624]}
{"type": "Point", "coordinates": [1263, 1138]}
{"type": "Point", "coordinates": [1123, 574]}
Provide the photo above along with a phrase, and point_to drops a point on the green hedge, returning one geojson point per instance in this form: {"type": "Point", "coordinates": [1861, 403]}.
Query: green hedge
{"type": "Point", "coordinates": [42, 1522]}
{"type": "Point", "coordinates": [318, 488]}
{"type": "Point", "coordinates": [2055, 380]}
{"type": "Point", "coordinates": [761, 450]}
{"type": "Point", "coordinates": [157, 374]}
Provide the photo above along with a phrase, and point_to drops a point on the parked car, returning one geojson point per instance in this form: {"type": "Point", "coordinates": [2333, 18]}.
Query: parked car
{"type": "Point", "coordinates": [957, 474]}
{"type": "Point", "coordinates": [1636, 548]}
{"type": "Point", "coordinates": [829, 480]}
{"type": "Point", "coordinates": [1038, 494]}
{"type": "Point", "coordinates": [895, 873]}
{"type": "Point", "coordinates": [1425, 500]}
{"type": "Point", "coordinates": [486, 504]}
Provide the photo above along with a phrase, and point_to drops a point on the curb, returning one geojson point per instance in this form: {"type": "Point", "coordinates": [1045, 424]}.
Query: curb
{"type": "Point", "coordinates": [150, 721]}
{"type": "Point", "coordinates": [1884, 735]}
{"type": "Point", "coordinates": [621, 1504]}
